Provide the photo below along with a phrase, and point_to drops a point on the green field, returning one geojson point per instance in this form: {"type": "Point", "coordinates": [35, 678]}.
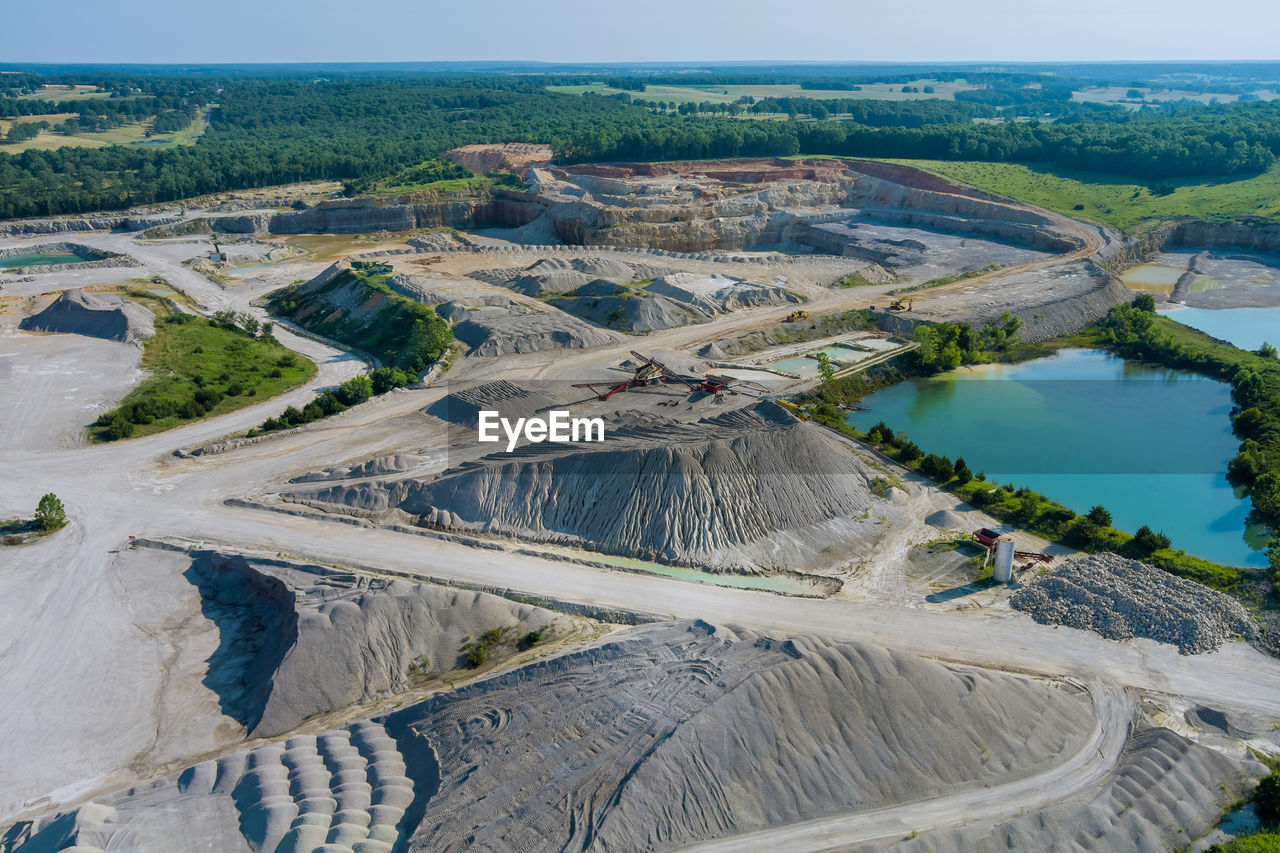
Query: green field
{"type": "Point", "coordinates": [77, 92]}
{"type": "Point", "coordinates": [729, 94]}
{"type": "Point", "coordinates": [1116, 201]}
{"type": "Point", "coordinates": [199, 368]}
{"type": "Point", "coordinates": [124, 135]}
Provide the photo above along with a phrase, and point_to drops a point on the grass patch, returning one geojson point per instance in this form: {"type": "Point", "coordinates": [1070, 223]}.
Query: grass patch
{"type": "Point", "coordinates": [435, 178]}
{"type": "Point", "coordinates": [1119, 202]}
{"type": "Point", "coordinates": [1260, 842]}
{"type": "Point", "coordinates": [946, 279]}
{"type": "Point", "coordinates": [854, 279]}
{"type": "Point", "coordinates": [21, 531]}
{"type": "Point", "coordinates": [199, 368]}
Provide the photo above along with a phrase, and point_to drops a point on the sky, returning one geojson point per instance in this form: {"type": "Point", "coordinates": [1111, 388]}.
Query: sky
{"type": "Point", "coordinates": [240, 31]}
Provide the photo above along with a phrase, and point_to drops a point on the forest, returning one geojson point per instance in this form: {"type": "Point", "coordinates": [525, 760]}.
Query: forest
{"type": "Point", "coordinates": [273, 130]}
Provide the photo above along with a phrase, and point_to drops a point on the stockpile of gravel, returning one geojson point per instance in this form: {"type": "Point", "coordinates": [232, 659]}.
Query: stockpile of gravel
{"type": "Point", "coordinates": [80, 313]}
{"type": "Point", "coordinates": [1121, 599]}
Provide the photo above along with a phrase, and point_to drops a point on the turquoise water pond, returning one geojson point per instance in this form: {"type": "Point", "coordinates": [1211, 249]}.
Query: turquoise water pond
{"type": "Point", "coordinates": [1247, 328]}
{"type": "Point", "coordinates": [1083, 427]}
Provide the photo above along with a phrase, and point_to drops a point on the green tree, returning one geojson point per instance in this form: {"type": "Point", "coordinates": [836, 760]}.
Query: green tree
{"type": "Point", "coordinates": [1100, 516]}
{"type": "Point", "coordinates": [827, 369]}
{"type": "Point", "coordinates": [963, 474]}
{"type": "Point", "coordinates": [1268, 351]}
{"type": "Point", "coordinates": [1266, 799]}
{"type": "Point", "coordinates": [1146, 541]}
{"type": "Point", "coordinates": [49, 513]}
{"type": "Point", "coordinates": [1145, 302]}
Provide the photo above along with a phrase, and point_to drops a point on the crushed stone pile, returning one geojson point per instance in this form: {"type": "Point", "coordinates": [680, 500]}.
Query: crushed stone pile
{"type": "Point", "coordinates": [1121, 599]}
{"type": "Point", "coordinates": [749, 490]}
{"type": "Point", "coordinates": [719, 294]}
{"type": "Point", "coordinates": [496, 334]}
{"type": "Point", "coordinates": [300, 640]}
{"type": "Point", "coordinates": [636, 311]}
{"type": "Point", "coordinates": [80, 313]}
{"type": "Point", "coordinates": [947, 519]}
{"type": "Point", "coordinates": [463, 407]}
{"type": "Point", "coordinates": [618, 746]}
{"type": "Point", "coordinates": [382, 465]}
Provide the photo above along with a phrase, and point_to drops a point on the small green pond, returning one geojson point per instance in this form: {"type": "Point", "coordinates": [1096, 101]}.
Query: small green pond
{"type": "Point", "coordinates": [40, 260]}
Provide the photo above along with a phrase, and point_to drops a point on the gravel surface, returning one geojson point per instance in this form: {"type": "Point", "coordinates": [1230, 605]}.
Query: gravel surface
{"type": "Point", "coordinates": [1121, 599]}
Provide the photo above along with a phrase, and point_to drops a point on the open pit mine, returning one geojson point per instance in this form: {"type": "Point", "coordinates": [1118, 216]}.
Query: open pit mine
{"type": "Point", "coordinates": [325, 616]}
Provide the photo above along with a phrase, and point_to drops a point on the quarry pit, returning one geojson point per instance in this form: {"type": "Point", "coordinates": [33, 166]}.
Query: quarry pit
{"type": "Point", "coordinates": [302, 672]}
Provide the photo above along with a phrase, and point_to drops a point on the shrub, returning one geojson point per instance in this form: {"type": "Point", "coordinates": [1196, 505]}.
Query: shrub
{"type": "Point", "coordinates": [1266, 799]}
{"type": "Point", "coordinates": [50, 514]}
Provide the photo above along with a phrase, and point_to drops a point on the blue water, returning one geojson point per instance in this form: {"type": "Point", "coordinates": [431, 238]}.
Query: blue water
{"type": "Point", "coordinates": [1083, 427]}
{"type": "Point", "coordinates": [1247, 328]}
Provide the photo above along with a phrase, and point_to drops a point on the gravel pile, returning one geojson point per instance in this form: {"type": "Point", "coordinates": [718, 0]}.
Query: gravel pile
{"type": "Point", "coordinates": [1121, 599]}
{"type": "Point", "coordinates": [80, 313]}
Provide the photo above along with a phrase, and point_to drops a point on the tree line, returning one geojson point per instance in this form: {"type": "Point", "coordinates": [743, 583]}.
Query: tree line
{"type": "Point", "coordinates": [279, 130]}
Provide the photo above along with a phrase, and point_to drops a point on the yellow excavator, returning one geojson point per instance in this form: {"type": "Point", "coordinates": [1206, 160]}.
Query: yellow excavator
{"type": "Point", "coordinates": [797, 316]}
{"type": "Point", "coordinates": [902, 304]}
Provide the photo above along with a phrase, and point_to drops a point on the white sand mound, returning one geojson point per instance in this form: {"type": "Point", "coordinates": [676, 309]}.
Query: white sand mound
{"type": "Point", "coordinates": [80, 313]}
{"type": "Point", "coordinates": [491, 335]}
{"type": "Point", "coordinates": [947, 519]}
{"type": "Point", "coordinates": [1165, 791]}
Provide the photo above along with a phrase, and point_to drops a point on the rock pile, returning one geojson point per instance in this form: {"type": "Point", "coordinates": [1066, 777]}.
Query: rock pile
{"type": "Point", "coordinates": [752, 491]}
{"type": "Point", "coordinates": [1121, 599]}
{"type": "Point", "coordinates": [463, 407]}
{"type": "Point", "coordinates": [81, 313]}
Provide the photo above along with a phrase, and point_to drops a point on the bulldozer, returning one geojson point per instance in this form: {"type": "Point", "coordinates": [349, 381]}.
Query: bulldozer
{"type": "Point", "coordinates": [797, 316]}
{"type": "Point", "coordinates": [902, 304]}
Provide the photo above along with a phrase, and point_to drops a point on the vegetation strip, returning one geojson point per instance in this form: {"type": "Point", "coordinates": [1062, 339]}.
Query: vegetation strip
{"type": "Point", "coordinates": [201, 367]}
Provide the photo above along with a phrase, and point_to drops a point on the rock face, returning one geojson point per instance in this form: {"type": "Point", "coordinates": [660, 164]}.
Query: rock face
{"type": "Point", "coordinates": [139, 222]}
{"type": "Point", "coordinates": [666, 735]}
{"type": "Point", "coordinates": [301, 640]}
{"type": "Point", "coordinates": [693, 207]}
{"type": "Point", "coordinates": [365, 215]}
{"type": "Point", "coordinates": [750, 490]}
{"type": "Point", "coordinates": [1121, 599]}
{"type": "Point", "coordinates": [483, 159]}
{"type": "Point", "coordinates": [80, 313]}
{"type": "Point", "coordinates": [1225, 235]}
